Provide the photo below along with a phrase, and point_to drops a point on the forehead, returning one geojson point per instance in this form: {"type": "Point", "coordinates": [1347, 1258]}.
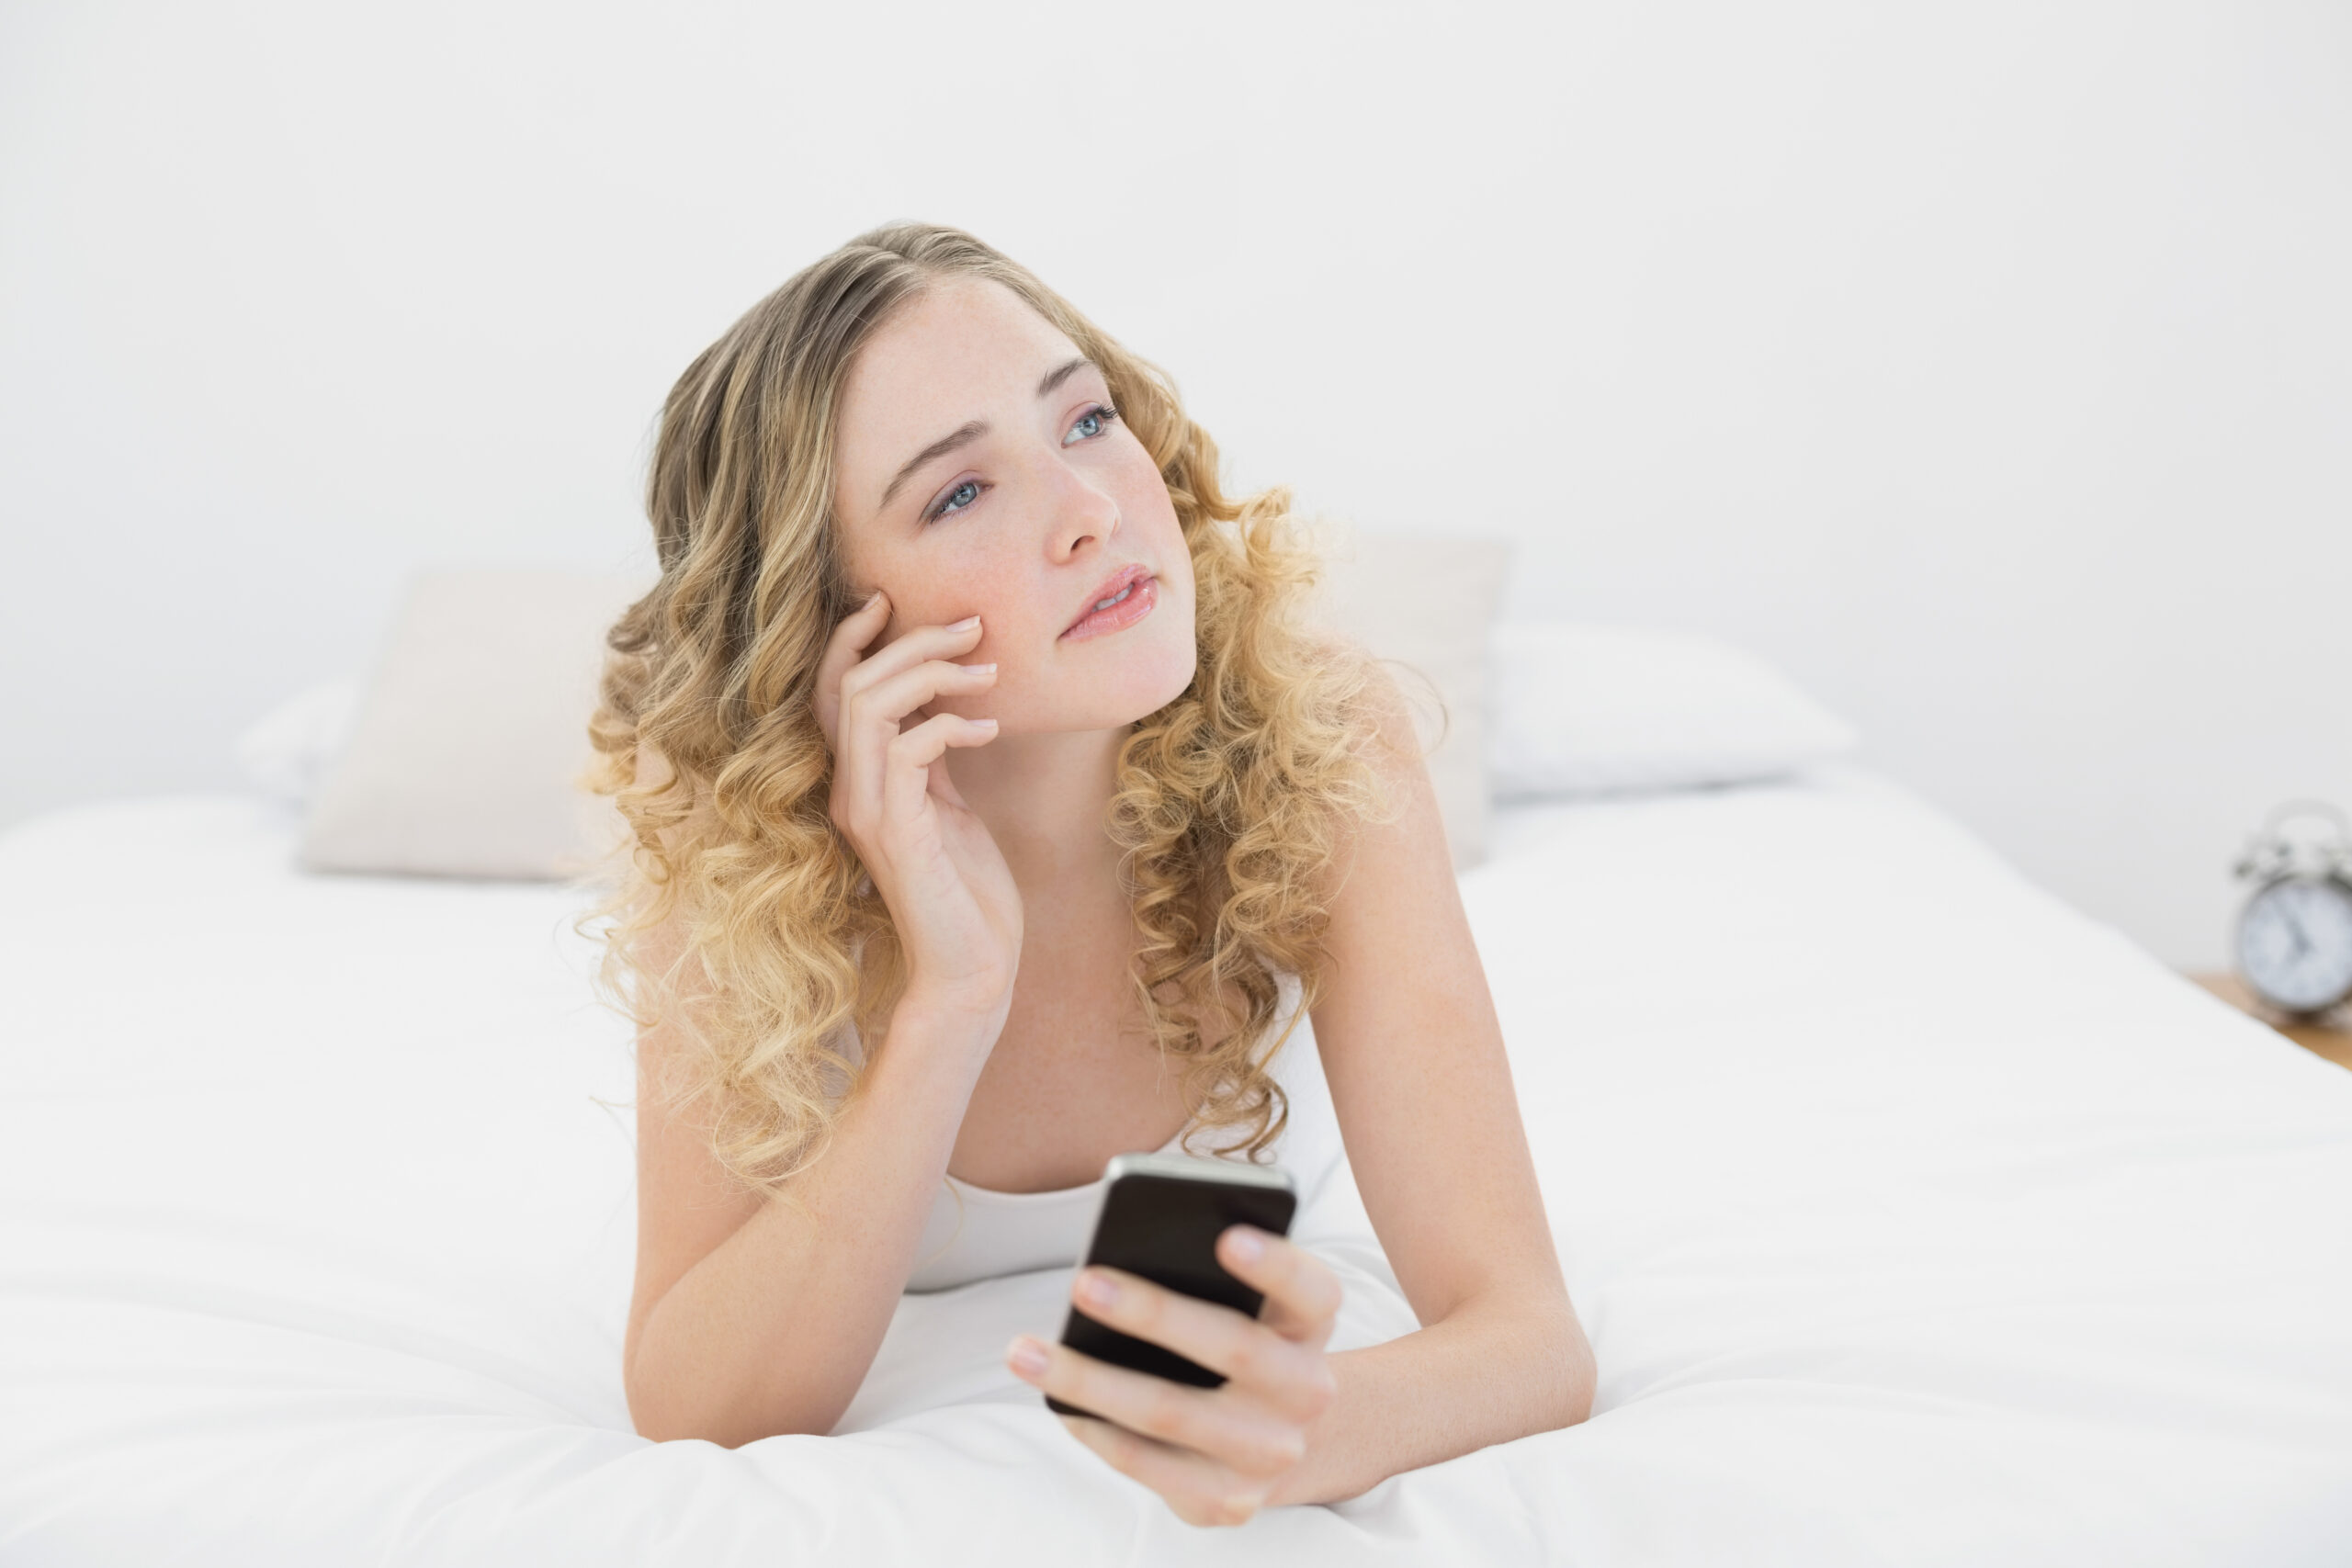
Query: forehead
{"type": "Point", "coordinates": [964, 348]}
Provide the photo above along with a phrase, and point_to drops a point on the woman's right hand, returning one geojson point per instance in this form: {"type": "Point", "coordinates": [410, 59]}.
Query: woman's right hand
{"type": "Point", "coordinates": [949, 891]}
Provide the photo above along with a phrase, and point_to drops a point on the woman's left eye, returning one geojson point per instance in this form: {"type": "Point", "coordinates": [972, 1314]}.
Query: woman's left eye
{"type": "Point", "coordinates": [943, 508]}
{"type": "Point", "coordinates": [1099, 416]}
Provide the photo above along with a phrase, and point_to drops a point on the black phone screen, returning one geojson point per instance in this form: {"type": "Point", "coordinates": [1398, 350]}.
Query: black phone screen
{"type": "Point", "coordinates": [1165, 1229]}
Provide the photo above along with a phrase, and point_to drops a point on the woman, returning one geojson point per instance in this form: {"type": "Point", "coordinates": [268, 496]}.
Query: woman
{"type": "Point", "coordinates": [995, 812]}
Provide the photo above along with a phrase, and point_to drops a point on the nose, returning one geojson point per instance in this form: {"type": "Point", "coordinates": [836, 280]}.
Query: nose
{"type": "Point", "coordinates": [1078, 512]}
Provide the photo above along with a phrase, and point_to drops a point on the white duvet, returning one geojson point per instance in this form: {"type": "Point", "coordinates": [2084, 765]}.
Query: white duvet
{"type": "Point", "coordinates": [1915, 1218]}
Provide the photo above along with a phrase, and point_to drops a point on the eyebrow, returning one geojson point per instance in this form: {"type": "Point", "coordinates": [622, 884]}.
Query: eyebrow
{"type": "Point", "coordinates": [971, 430]}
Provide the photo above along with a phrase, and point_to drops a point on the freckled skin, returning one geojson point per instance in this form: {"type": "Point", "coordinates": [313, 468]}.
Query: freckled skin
{"type": "Point", "coordinates": [1038, 511]}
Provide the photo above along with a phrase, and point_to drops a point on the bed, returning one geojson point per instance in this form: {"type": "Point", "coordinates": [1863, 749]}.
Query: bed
{"type": "Point", "coordinates": [1915, 1218]}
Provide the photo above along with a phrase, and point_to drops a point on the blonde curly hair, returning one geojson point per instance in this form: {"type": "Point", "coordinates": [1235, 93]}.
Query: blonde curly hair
{"type": "Point", "coordinates": [1230, 803]}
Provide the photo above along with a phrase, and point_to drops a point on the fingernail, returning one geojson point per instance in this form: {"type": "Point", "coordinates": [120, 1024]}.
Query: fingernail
{"type": "Point", "coordinates": [1246, 1245]}
{"type": "Point", "coordinates": [981, 668]}
{"type": "Point", "coordinates": [966, 624]}
{"type": "Point", "coordinates": [1029, 1358]}
{"type": "Point", "coordinates": [871, 600]}
{"type": "Point", "coordinates": [1095, 1291]}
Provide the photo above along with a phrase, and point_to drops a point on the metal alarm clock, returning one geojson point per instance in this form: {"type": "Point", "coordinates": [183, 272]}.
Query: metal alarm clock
{"type": "Point", "coordinates": [2293, 944]}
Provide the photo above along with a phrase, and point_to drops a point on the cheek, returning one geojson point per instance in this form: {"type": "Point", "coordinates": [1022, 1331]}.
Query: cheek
{"type": "Point", "coordinates": [944, 589]}
{"type": "Point", "coordinates": [1013, 635]}
{"type": "Point", "coordinates": [1166, 534]}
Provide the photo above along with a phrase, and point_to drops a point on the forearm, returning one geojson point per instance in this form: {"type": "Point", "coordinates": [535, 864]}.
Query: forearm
{"type": "Point", "coordinates": [1492, 1372]}
{"type": "Point", "coordinates": [774, 1330]}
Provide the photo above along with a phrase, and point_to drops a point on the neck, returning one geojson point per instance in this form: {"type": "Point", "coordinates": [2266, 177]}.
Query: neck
{"type": "Point", "coordinates": [1043, 797]}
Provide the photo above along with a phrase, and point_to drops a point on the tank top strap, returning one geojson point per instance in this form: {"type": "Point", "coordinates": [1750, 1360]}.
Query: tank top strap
{"type": "Point", "coordinates": [1310, 1146]}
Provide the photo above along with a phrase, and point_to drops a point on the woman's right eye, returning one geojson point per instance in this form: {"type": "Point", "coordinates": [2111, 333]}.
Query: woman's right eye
{"type": "Point", "coordinates": [943, 509]}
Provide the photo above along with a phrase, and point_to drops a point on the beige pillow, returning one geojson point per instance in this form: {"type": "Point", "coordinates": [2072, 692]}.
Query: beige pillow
{"type": "Point", "coordinates": [1426, 605]}
{"type": "Point", "coordinates": [472, 729]}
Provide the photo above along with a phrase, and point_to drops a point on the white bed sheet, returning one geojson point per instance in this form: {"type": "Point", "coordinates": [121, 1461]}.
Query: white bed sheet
{"type": "Point", "coordinates": [1914, 1217]}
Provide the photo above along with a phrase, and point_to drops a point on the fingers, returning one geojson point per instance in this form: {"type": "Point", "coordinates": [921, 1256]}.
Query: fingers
{"type": "Point", "coordinates": [849, 640]}
{"type": "Point", "coordinates": [875, 701]}
{"type": "Point", "coordinates": [1251, 1441]}
{"type": "Point", "coordinates": [1285, 1374]}
{"type": "Point", "coordinates": [1200, 1491]}
{"type": "Point", "coordinates": [879, 766]}
{"type": "Point", "coordinates": [1302, 1295]}
{"type": "Point", "coordinates": [906, 777]}
{"type": "Point", "coordinates": [843, 670]}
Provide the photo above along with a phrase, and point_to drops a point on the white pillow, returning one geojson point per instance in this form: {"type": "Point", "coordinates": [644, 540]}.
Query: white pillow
{"type": "Point", "coordinates": [283, 753]}
{"type": "Point", "coordinates": [1585, 709]}
{"type": "Point", "coordinates": [459, 755]}
{"type": "Point", "coordinates": [472, 734]}
{"type": "Point", "coordinates": [1426, 605]}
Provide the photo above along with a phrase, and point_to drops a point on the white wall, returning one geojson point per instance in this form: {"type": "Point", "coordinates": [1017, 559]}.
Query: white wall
{"type": "Point", "coordinates": [1988, 368]}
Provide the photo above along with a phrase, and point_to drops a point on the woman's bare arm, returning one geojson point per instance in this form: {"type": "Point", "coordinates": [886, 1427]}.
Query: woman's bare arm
{"type": "Point", "coordinates": [1410, 1039]}
{"type": "Point", "coordinates": [751, 1317]}
{"type": "Point", "coordinates": [754, 1314]}
{"type": "Point", "coordinates": [1414, 1052]}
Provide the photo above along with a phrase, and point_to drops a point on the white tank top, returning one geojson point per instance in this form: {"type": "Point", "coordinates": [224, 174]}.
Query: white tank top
{"type": "Point", "coordinates": [979, 1233]}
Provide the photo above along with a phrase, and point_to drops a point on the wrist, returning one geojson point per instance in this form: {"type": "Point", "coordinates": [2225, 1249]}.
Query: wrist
{"type": "Point", "coordinates": [945, 1018]}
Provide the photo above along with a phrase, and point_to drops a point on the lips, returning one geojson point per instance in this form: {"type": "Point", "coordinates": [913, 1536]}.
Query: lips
{"type": "Point", "coordinates": [1126, 577]}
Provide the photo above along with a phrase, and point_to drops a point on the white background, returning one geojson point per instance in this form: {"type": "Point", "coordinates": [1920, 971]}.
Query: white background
{"type": "Point", "coordinates": [1988, 368]}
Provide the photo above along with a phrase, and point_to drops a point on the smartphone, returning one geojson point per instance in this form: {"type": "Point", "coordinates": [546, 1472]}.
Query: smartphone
{"type": "Point", "coordinates": [1160, 1217]}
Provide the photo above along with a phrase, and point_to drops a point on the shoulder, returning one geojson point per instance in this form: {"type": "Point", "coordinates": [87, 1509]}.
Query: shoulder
{"type": "Point", "coordinates": [1388, 716]}
{"type": "Point", "coordinates": [1374, 704]}
{"type": "Point", "coordinates": [1383, 724]}
{"type": "Point", "coordinates": [1397, 839]}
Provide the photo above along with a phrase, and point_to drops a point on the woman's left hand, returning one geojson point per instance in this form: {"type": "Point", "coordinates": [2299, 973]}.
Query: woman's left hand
{"type": "Point", "coordinates": [1217, 1454]}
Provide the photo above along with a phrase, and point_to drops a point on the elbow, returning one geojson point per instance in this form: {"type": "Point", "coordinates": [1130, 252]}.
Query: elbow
{"type": "Point", "coordinates": [1583, 1376]}
{"type": "Point", "coordinates": [1579, 1370]}
{"type": "Point", "coordinates": [662, 1411]}
{"type": "Point", "coordinates": [1561, 1348]}
{"type": "Point", "coordinates": [658, 1422]}
{"type": "Point", "coordinates": [651, 1415]}
{"type": "Point", "coordinates": [1554, 1376]}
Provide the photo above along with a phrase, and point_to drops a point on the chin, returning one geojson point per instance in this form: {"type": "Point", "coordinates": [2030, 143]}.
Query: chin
{"type": "Point", "coordinates": [1174, 675]}
{"type": "Point", "coordinates": [1114, 693]}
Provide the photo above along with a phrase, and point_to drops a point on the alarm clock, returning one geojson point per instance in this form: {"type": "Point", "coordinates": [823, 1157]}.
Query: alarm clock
{"type": "Point", "coordinates": [2293, 943]}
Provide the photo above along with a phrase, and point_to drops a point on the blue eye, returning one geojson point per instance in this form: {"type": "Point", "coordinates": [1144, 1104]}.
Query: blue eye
{"type": "Point", "coordinates": [1101, 414]}
{"type": "Point", "coordinates": [943, 509]}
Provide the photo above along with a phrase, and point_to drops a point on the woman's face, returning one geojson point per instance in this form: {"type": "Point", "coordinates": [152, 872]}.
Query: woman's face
{"type": "Point", "coordinates": [981, 470]}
